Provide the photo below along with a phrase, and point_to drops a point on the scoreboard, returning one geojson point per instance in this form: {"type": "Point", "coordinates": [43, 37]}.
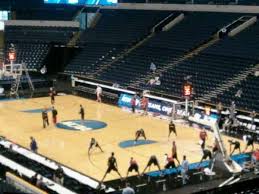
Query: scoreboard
{"type": "Point", "coordinates": [187, 89]}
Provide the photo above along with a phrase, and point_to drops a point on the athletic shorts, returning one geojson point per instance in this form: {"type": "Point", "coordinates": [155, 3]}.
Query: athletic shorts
{"type": "Point", "coordinates": [170, 164]}
{"type": "Point", "coordinates": [237, 146]}
{"type": "Point", "coordinates": [175, 156]}
{"type": "Point", "coordinates": [152, 160]}
{"type": "Point", "coordinates": [250, 142]}
{"type": "Point", "coordinates": [133, 167]}
{"type": "Point", "coordinates": [110, 168]}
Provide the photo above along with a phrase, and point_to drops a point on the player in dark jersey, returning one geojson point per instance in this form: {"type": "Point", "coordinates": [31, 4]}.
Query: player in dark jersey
{"type": "Point", "coordinates": [206, 154]}
{"type": "Point", "coordinates": [112, 166]}
{"type": "Point", "coordinates": [52, 94]}
{"type": "Point", "coordinates": [249, 142]}
{"type": "Point", "coordinates": [82, 112]}
{"type": "Point", "coordinates": [54, 115]}
{"type": "Point", "coordinates": [94, 143]}
{"type": "Point", "coordinates": [140, 133]}
{"type": "Point", "coordinates": [152, 160]}
{"type": "Point", "coordinates": [45, 117]}
{"type": "Point", "coordinates": [172, 129]}
{"type": "Point", "coordinates": [236, 145]}
{"type": "Point", "coordinates": [174, 152]}
{"type": "Point", "coordinates": [133, 166]}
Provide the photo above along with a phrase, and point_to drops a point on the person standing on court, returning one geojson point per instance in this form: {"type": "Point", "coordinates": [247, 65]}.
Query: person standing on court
{"type": "Point", "coordinates": [33, 145]}
{"type": "Point", "coordinates": [99, 92]}
{"type": "Point", "coordinates": [54, 115]}
{"type": "Point", "coordinates": [133, 103]}
{"type": "Point", "coordinates": [144, 105]}
{"type": "Point", "coordinates": [203, 137]}
{"type": "Point", "coordinates": [52, 94]}
{"type": "Point", "coordinates": [82, 112]}
{"type": "Point", "coordinates": [112, 166]}
{"type": "Point", "coordinates": [45, 117]}
{"type": "Point", "coordinates": [172, 129]}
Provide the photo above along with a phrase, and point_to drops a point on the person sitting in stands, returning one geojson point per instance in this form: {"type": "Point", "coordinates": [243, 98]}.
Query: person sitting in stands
{"type": "Point", "coordinates": [152, 67]}
{"type": "Point", "coordinates": [34, 179]}
{"type": "Point", "coordinates": [58, 176]}
{"type": "Point", "coordinates": [157, 81]}
{"type": "Point", "coordinates": [115, 85]}
{"type": "Point", "coordinates": [151, 82]}
{"type": "Point", "coordinates": [40, 183]}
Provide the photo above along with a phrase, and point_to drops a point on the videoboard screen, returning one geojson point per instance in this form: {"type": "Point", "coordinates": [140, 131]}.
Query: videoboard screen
{"type": "Point", "coordinates": [4, 15]}
{"type": "Point", "coordinates": [82, 2]}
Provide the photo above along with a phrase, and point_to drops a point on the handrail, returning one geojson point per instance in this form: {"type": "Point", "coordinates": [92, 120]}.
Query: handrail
{"type": "Point", "coordinates": [10, 177]}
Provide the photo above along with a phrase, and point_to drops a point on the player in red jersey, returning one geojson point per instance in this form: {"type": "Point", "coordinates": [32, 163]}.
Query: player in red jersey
{"type": "Point", "coordinates": [169, 162]}
{"type": "Point", "coordinates": [144, 105]}
{"type": "Point", "coordinates": [133, 166]}
{"type": "Point", "coordinates": [203, 137]}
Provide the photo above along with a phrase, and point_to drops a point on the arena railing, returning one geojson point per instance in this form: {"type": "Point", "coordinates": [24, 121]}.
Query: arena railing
{"type": "Point", "coordinates": [86, 180]}
{"type": "Point", "coordinates": [29, 173]}
{"type": "Point", "coordinates": [22, 185]}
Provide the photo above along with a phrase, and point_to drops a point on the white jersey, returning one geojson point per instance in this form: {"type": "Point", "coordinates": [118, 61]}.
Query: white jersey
{"type": "Point", "coordinates": [99, 90]}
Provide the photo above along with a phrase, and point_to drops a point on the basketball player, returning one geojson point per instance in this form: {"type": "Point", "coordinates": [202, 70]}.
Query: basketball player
{"type": "Point", "coordinates": [82, 112]}
{"type": "Point", "coordinates": [94, 143]}
{"type": "Point", "coordinates": [112, 166]}
{"type": "Point", "coordinates": [206, 154]}
{"type": "Point", "coordinates": [133, 103]}
{"type": "Point", "coordinates": [139, 133]}
{"type": "Point", "coordinates": [174, 152]}
{"type": "Point", "coordinates": [203, 137]}
{"type": "Point", "coordinates": [152, 160]}
{"type": "Point", "coordinates": [99, 92]}
{"type": "Point", "coordinates": [45, 117]}
{"type": "Point", "coordinates": [54, 115]}
{"type": "Point", "coordinates": [144, 105]}
{"type": "Point", "coordinates": [169, 162]}
{"type": "Point", "coordinates": [172, 129]}
{"type": "Point", "coordinates": [133, 166]}
{"type": "Point", "coordinates": [215, 147]}
{"type": "Point", "coordinates": [249, 142]}
{"type": "Point", "coordinates": [52, 94]}
{"type": "Point", "coordinates": [236, 145]}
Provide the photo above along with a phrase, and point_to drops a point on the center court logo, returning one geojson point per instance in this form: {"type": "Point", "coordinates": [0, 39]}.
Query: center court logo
{"type": "Point", "coordinates": [79, 125]}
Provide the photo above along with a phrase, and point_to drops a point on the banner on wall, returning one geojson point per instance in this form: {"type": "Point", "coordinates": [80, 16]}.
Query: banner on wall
{"type": "Point", "coordinates": [155, 106]}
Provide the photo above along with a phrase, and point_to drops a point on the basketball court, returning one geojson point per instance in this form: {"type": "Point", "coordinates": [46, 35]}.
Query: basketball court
{"type": "Point", "coordinates": [112, 127]}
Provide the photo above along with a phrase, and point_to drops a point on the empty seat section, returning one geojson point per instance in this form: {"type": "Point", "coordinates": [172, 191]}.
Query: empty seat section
{"type": "Point", "coordinates": [167, 46]}
{"type": "Point", "coordinates": [116, 31]}
{"type": "Point", "coordinates": [39, 34]}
